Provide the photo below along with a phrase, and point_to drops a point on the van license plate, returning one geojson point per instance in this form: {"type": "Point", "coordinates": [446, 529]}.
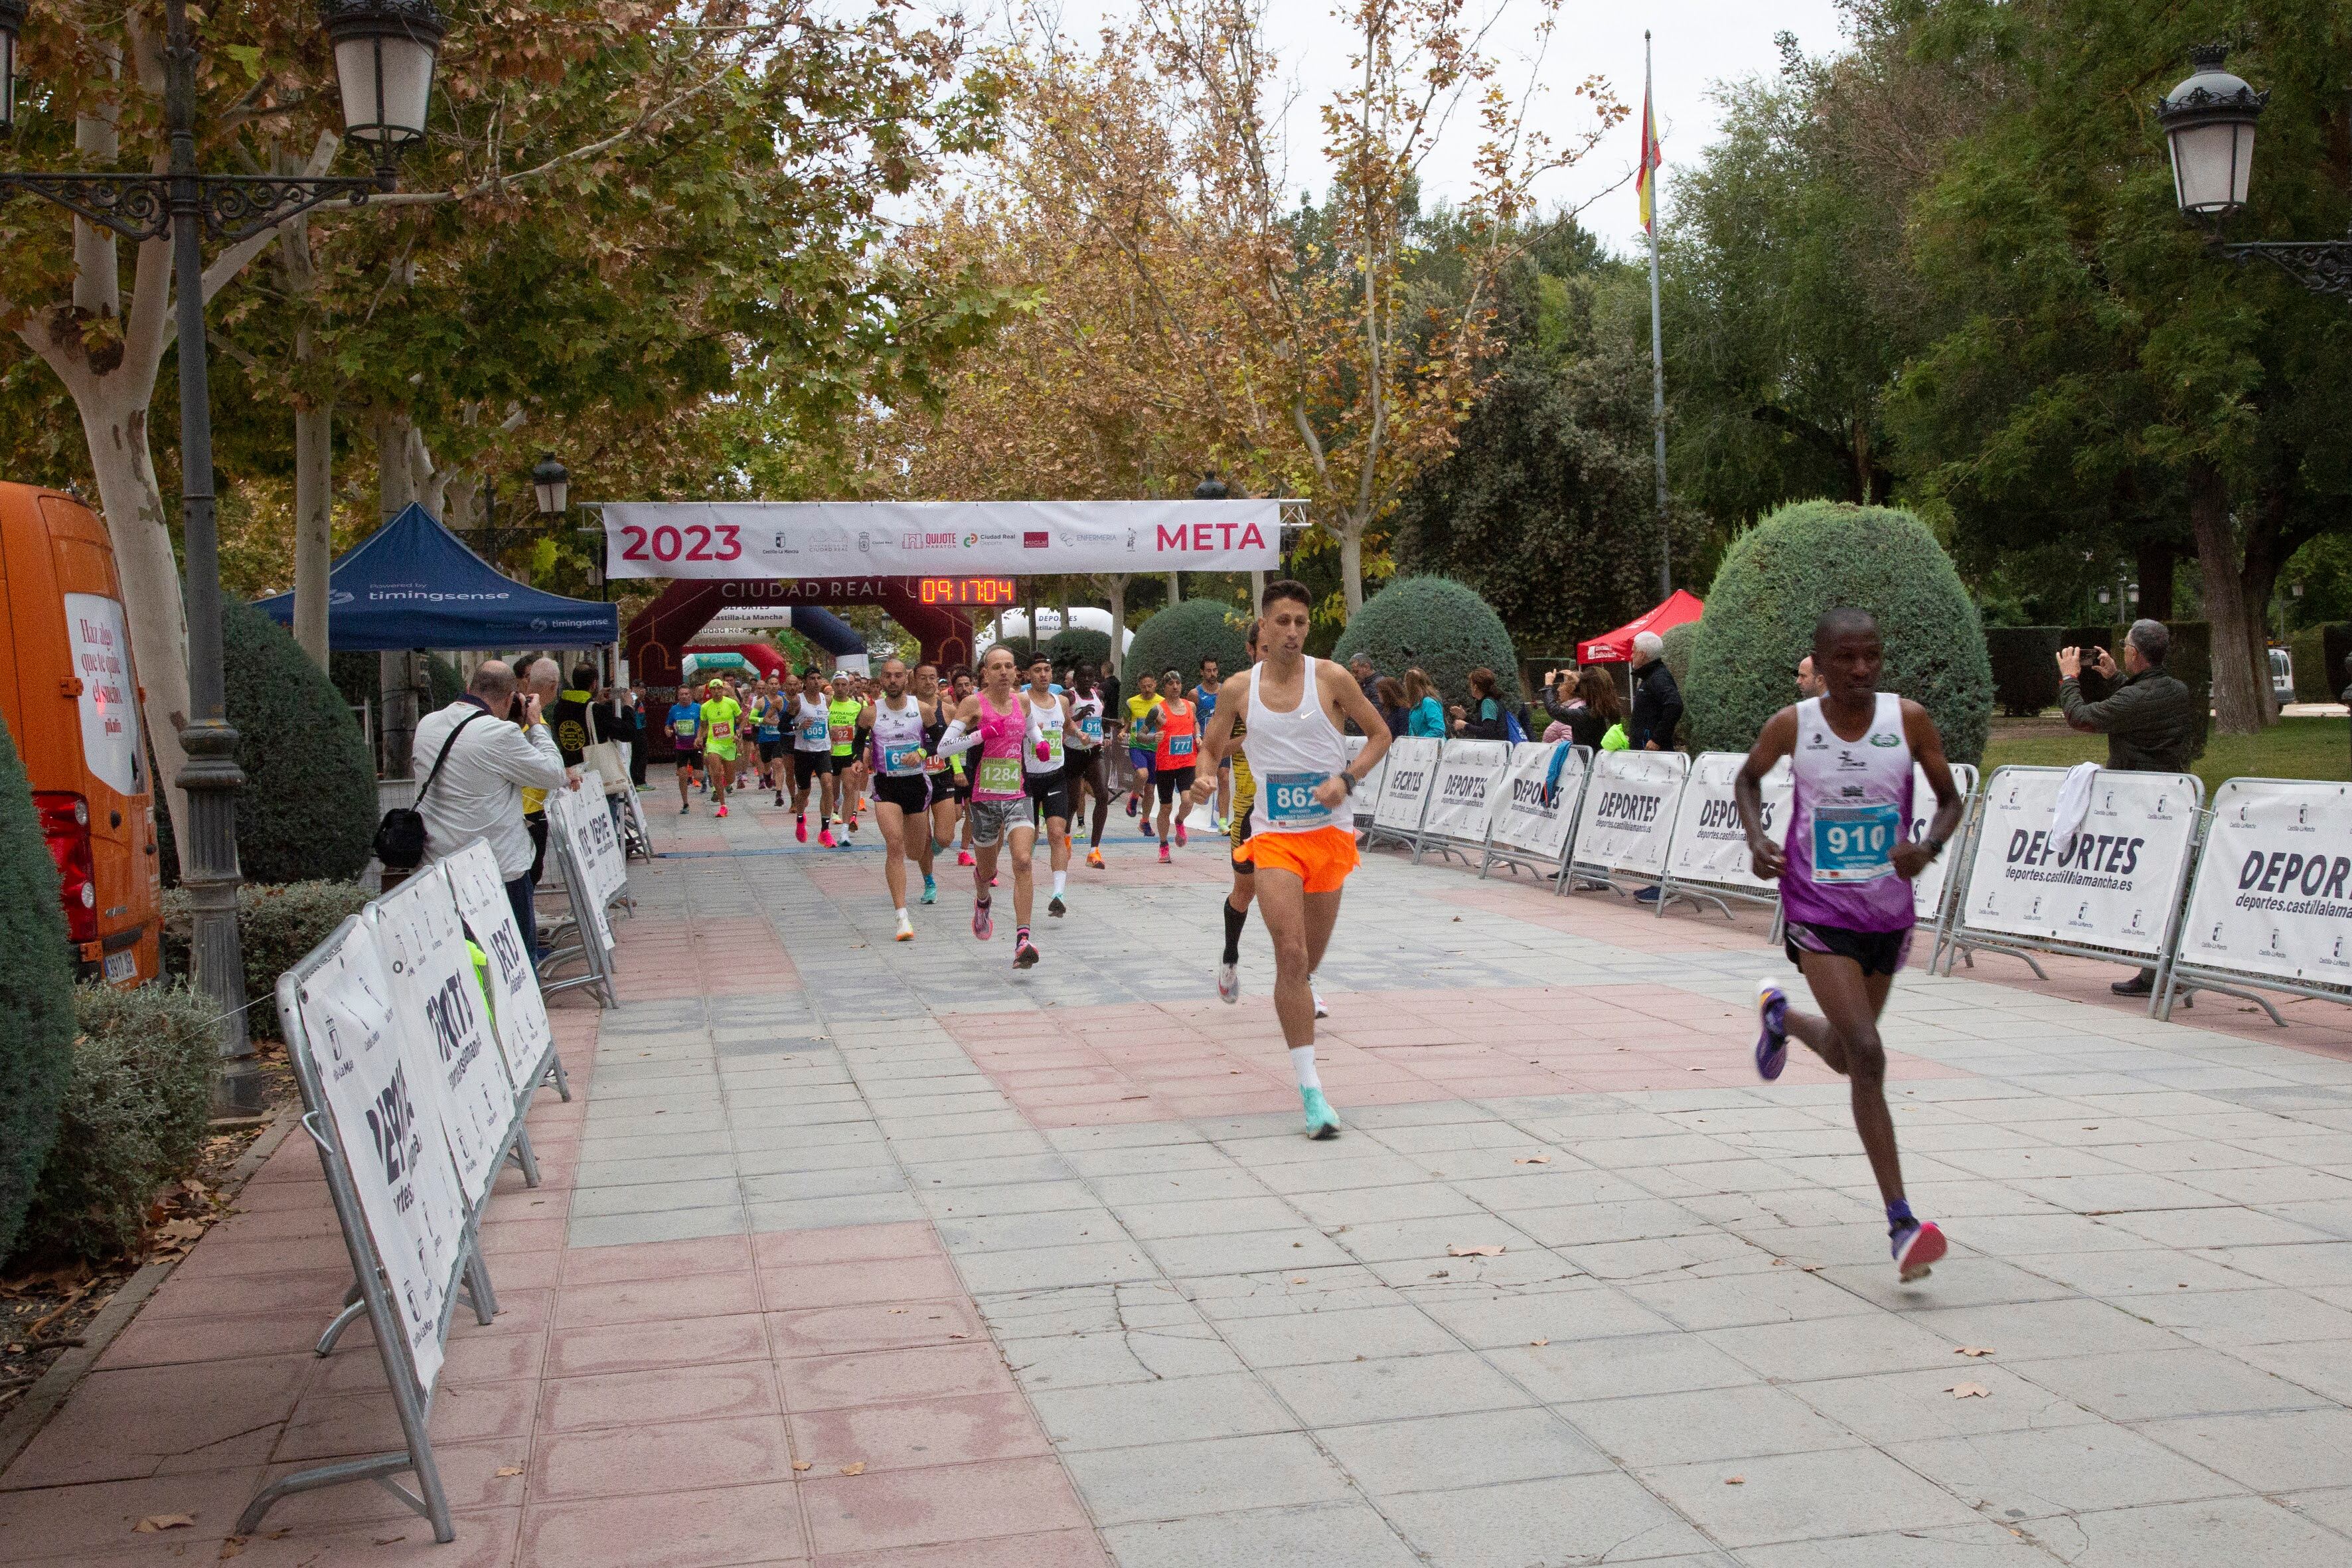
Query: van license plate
{"type": "Point", "coordinates": [122, 966]}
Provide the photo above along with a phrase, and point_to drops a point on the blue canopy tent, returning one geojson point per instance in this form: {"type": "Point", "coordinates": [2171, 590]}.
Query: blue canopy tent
{"type": "Point", "coordinates": [413, 585]}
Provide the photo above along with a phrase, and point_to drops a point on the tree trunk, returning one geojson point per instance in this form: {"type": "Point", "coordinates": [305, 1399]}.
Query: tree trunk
{"type": "Point", "coordinates": [2237, 704]}
{"type": "Point", "coordinates": [314, 518]}
{"type": "Point", "coordinates": [1175, 588]}
{"type": "Point", "coordinates": [395, 481]}
{"type": "Point", "coordinates": [1351, 566]}
{"type": "Point", "coordinates": [396, 489]}
{"type": "Point", "coordinates": [2265, 554]}
{"type": "Point", "coordinates": [2155, 561]}
{"type": "Point", "coordinates": [1115, 589]}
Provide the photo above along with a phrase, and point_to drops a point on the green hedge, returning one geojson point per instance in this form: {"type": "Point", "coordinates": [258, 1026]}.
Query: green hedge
{"type": "Point", "coordinates": [309, 806]}
{"type": "Point", "coordinates": [359, 677]}
{"type": "Point", "coordinates": [2024, 668]}
{"type": "Point", "coordinates": [135, 1116]}
{"type": "Point", "coordinates": [2319, 653]}
{"type": "Point", "coordinates": [275, 926]}
{"type": "Point", "coordinates": [1180, 636]}
{"type": "Point", "coordinates": [1079, 644]}
{"type": "Point", "coordinates": [1778, 578]}
{"type": "Point", "coordinates": [1679, 641]}
{"type": "Point", "coordinates": [1438, 626]}
{"type": "Point", "coordinates": [37, 988]}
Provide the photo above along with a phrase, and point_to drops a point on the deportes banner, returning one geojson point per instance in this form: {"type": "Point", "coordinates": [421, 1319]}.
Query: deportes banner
{"type": "Point", "coordinates": [929, 538]}
{"type": "Point", "coordinates": [583, 830]}
{"type": "Point", "coordinates": [1469, 776]}
{"type": "Point", "coordinates": [1367, 787]}
{"type": "Point", "coordinates": [1928, 887]}
{"type": "Point", "coordinates": [1709, 844]}
{"type": "Point", "coordinates": [2111, 884]}
{"type": "Point", "coordinates": [1411, 772]}
{"type": "Point", "coordinates": [1629, 811]}
{"type": "Point", "coordinates": [451, 1053]}
{"type": "Point", "coordinates": [519, 1012]}
{"type": "Point", "coordinates": [1538, 809]}
{"type": "Point", "coordinates": [610, 869]}
{"type": "Point", "coordinates": [2274, 893]}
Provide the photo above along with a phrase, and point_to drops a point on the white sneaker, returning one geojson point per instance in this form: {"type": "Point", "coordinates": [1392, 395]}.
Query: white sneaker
{"type": "Point", "coordinates": [906, 927]}
{"type": "Point", "coordinates": [1229, 983]}
{"type": "Point", "coordinates": [1320, 1010]}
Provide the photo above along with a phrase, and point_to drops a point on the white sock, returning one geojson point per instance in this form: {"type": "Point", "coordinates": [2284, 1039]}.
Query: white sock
{"type": "Point", "coordinates": [1302, 1062]}
{"type": "Point", "coordinates": [902, 911]}
{"type": "Point", "coordinates": [1061, 880]}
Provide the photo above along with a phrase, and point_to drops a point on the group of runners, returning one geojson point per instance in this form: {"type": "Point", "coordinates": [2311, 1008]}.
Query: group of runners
{"type": "Point", "coordinates": [1005, 751]}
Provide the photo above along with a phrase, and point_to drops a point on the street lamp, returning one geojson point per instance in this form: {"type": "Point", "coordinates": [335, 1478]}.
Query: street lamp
{"type": "Point", "coordinates": [2209, 121]}
{"type": "Point", "coordinates": [384, 51]}
{"type": "Point", "coordinates": [552, 483]}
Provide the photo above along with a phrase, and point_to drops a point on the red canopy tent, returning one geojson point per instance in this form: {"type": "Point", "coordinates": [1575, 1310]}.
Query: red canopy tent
{"type": "Point", "coordinates": [1617, 647]}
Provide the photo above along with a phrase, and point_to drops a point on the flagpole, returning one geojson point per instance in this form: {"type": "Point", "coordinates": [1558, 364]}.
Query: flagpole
{"type": "Point", "coordinates": [1657, 350]}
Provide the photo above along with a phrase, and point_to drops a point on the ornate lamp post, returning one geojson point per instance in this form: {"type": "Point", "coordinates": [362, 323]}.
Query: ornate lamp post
{"type": "Point", "coordinates": [2209, 121]}
{"type": "Point", "coordinates": [384, 52]}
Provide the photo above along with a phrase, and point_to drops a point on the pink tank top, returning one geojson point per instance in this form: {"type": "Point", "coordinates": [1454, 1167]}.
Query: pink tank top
{"type": "Point", "coordinates": [1000, 734]}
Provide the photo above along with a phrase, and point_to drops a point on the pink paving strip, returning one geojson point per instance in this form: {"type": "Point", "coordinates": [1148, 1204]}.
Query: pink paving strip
{"type": "Point", "coordinates": [1087, 1067]}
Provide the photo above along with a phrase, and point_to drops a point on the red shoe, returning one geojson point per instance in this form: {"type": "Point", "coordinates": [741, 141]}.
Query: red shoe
{"type": "Point", "coordinates": [1164, 860]}
{"type": "Point", "coordinates": [825, 837]}
{"type": "Point", "coordinates": [964, 858]}
{"type": "Point", "coordinates": [800, 827]}
{"type": "Point", "coordinates": [723, 809]}
{"type": "Point", "coordinates": [852, 822]}
{"type": "Point", "coordinates": [1179, 836]}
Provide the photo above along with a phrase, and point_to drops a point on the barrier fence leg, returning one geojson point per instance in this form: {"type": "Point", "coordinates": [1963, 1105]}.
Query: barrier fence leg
{"type": "Point", "coordinates": [354, 1309]}
{"type": "Point", "coordinates": [521, 1154]}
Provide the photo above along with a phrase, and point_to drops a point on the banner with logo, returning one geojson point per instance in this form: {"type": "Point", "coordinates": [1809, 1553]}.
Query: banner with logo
{"type": "Point", "coordinates": [1368, 790]}
{"type": "Point", "coordinates": [1536, 811]}
{"type": "Point", "coordinates": [1461, 804]}
{"type": "Point", "coordinates": [388, 1126]}
{"type": "Point", "coordinates": [452, 1052]}
{"type": "Point", "coordinates": [1411, 772]}
{"type": "Point", "coordinates": [2274, 891]}
{"type": "Point", "coordinates": [1928, 887]}
{"type": "Point", "coordinates": [579, 827]}
{"type": "Point", "coordinates": [519, 1013]}
{"type": "Point", "coordinates": [2110, 884]}
{"type": "Point", "coordinates": [914, 539]}
{"type": "Point", "coordinates": [609, 866]}
{"type": "Point", "coordinates": [1709, 844]}
{"type": "Point", "coordinates": [1629, 811]}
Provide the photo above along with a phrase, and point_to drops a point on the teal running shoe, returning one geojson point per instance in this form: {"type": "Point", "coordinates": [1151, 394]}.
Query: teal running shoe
{"type": "Point", "coordinates": [1320, 1121]}
{"type": "Point", "coordinates": [930, 891]}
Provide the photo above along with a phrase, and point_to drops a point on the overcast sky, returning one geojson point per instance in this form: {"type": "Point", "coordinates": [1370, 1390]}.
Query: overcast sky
{"type": "Point", "coordinates": [1697, 43]}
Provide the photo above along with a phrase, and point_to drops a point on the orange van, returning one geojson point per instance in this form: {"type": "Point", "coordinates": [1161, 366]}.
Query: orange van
{"type": "Point", "coordinates": [72, 702]}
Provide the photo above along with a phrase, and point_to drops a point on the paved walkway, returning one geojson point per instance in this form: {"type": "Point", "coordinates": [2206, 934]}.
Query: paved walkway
{"type": "Point", "coordinates": [861, 1253]}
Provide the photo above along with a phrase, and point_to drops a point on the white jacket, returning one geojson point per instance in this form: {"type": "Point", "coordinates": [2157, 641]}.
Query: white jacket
{"type": "Point", "coordinates": [479, 792]}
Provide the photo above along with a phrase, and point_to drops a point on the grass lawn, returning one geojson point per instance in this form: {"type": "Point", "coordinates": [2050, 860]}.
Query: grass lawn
{"type": "Point", "coordinates": [2294, 748]}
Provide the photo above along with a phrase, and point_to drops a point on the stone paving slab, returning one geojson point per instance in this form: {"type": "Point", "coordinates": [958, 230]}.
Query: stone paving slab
{"type": "Point", "coordinates": [1044, 1261]}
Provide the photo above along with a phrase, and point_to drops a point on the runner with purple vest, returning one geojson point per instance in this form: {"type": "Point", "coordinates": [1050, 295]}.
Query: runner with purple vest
{"type": "Point", "coordinates": [1845, 882]}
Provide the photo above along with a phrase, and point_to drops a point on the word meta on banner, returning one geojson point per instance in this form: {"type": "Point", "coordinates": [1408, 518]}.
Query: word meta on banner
{"type": "Point", "coordinates": [1629, 812]}
{"type": "Point", "coordinates": [946, 541]}
{"type": "Point", "coordinates": [1710, 844]}
{"type": "Point", "coordinates": [2111, 884]}
{"type": "Point", "coordinates": [2274, 893]}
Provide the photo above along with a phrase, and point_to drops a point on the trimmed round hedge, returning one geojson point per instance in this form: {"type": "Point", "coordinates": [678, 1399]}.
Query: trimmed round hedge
{"type": "Point", "coordinates": [37, 997]}
{"type": "Point", "coordinates": [1079, 644]}
{"type": "Point", "coordinates": [1779, 577]}
{"type": "Point", "coordinates": [1181, 635]}
{"type": "Point", "coordinates": [307, 810]}
{"type": "Point", "coordinates": [1438, 625]}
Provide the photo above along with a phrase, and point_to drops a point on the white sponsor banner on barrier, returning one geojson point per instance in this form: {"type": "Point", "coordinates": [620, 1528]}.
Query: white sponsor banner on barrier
{"type": "Point", "coordinates": [1629, 811]}
{"type": "Point", "coordinates": [609, 865]}
{"type": "Point", "coordinates": [636, 810]}
{"type": "Point", "coordinates": [1412, 771]}
{"type": "Point", "coordinates": [452, 1055]}
{"type": "Point", "coordinates": [2274, 893]}
{"type": "Point", "coordinates": [1710, 844]}
{"type": "Point", "coordinates": [1536, 811]}
{"type": "Point", "coordinates": [565, 816]}
{"type": "Point", "coordinates": [932, 539]}
{"type": "Point", "coordinates": [1928, 887]}
{"type": "Point", "coordinates": [1367, 787]}
{"type": "Point", "coordinates": [1462, 802]}
{"type": "Point", "coordinates": [389, 1129]}
{"type": "Point", "coordinates": [2109, 885]}
{"type": "Point", "coordinates": [520, 1012]}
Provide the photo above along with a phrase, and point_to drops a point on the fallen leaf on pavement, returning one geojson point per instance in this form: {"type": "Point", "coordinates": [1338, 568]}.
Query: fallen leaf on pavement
{"type": "Point", "coordinates": [1482, 1249]}
{"type": "Point", "coordinates": [856, 1469]}
{"type": "Point", "coordinates": [155, 1522]}
{"type": "Point", "coordinates": [1972, 1349]}
{"type": "Point", "coordinates": [390, 1539]}
{"type": "Point", "coordinates": [507, 1470]}
{"type": "Point", "coordinates": [231, 1546]}
{"type": "Point", "coordinates": [802, 1464]}
{"type": "Point", "coordinates": [1969, 1391]}
{"type": "Point", "coordinates": [1298, 1279]}
{"type": "Point", "coordinates": [1534, 1160]}
{"type": "Point", "coordinates": [1734, 1480]}
{"type": "Point", "coordinates": [1541, 1343]}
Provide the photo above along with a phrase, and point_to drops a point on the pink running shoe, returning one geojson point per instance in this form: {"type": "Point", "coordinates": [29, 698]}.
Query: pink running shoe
{"type": "Point", "coordinates": [825, 837]}
{"type": "Point", "coordinates": [1164, 859]}
{"type": "Point", "coordinates": [984, 923]}
{"type": "Point", "coordinates": [963, 858]}
{"type": "Point", "coordinates": [1915, 1247]}
{"type": "Point", "coordinates": [800, 827]}
{"type": "Point", "coordinates": [723, 809]}
{"type": "Point", "coordinates": [1179, 836]}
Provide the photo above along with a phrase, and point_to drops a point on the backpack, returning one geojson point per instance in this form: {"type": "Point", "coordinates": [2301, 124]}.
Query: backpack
{"type": "Point", "coordinates": [400, 836]}
{"type": "Point", "coordinates": [1513, 731]}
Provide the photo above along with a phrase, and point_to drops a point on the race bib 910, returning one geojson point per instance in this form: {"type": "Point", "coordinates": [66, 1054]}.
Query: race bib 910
{"type": "Point", "coordinates": [1855, 843]}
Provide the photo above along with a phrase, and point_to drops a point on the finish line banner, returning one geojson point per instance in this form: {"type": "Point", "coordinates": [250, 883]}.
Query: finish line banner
{"type": "Point", "coordinates": [920, 538]}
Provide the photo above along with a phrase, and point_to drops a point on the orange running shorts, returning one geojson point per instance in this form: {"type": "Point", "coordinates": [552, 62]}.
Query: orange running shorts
{"type": "Point", "coordinates": [1321, 857]}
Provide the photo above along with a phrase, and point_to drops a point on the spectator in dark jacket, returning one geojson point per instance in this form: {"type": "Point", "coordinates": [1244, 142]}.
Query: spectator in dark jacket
{"type": "Point", "coordinates": [1484, 721]}
{"type": "Point", "coordinates": [2150, 720]}
{"type": "Point", "coordinates": [1591, 707]}
{"type": "Point", "coordinates": [1658, 701]}
{"type": "Point", "coordinates": [1387, 696]}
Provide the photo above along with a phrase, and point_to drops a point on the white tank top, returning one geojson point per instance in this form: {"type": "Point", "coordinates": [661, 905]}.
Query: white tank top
{"type": "Point", "coordinates": [813, 731]}
{"type": "Point", "coordinates": [1088, 713]}
{"type": "Point", "coordinates": [899, 738]}
{"type": "Point", "coordinates": [1851, 806]}
{"type": "Point", "coordinates": [1044, 724]}
{"type": "Point", "coordinates": [1290, 754]}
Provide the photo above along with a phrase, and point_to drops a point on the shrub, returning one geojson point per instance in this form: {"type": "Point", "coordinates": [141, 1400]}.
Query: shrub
{"type": "Point", "coordinates": [1774, 584]}
{"type": "Point", "coordinates": [1079, 644]}
{"type": "Point", "coordinates": [359, 677]}
{"type": "Point", "coordinates": [1440, 627]}
{"type": "Point", "coordinates": [2024, 668]}
{"type": "Point", "coordinates": [308, 806]}
{"type": "Point", "coordinates": [1679, 640]}
{"type": "Point", "coordinates": [2318, 653]}
{"type": "Point", "coordinates": [275, 927]}
{"type": "Point", "coordinates": [36, 995]}
{"type": "Point", "coordinates": [1180, 636]}
{"type": "Point", "coordinates": [135, 1116]}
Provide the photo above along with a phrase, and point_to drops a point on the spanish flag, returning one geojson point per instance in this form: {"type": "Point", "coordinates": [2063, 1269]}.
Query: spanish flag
{"type": "Point", "coordinates": [1645, 179]}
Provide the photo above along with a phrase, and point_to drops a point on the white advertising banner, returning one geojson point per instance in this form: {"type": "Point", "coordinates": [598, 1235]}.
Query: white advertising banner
{"type": "Point", "coordinates": [1629, 811]}
{"type": "Point", "coordinates": [1368, 789]}
{"type": "Point", "coordinates": [2110, 884]}
{"type": "Point", "coordinates": [635, 809]}
{"type": "Point", "coordinates": [1411, 772]}
{"type": "Point", "coordinates": [1536, 811]}
{"type": "Point", "coordinates": [98, 643]}
{"type": "Point", "coordinates": [440, 1001]}
{"type": "Point", "coordinates": [564, 816]}
{"type": "Point", "coordinates": [609, 864]}
{"type": "Point", "coordinates": [1928, 887]}
{"type": "Point", "coordinates": [928, 538]}
{"type": "Point", "coordinates": [2274, 893]}
{"type": "Point", "coordinates": [1709, 844]}
{"type": "Point", "coordinates": [1469, 778]}
{"type": "Point", "coordinates": [520, 1012]}
{"type": "Point", "coordinates": [389, 1129]}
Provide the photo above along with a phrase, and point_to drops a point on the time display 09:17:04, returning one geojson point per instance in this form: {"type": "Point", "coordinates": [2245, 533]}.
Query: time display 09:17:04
{"type": "Point", "coordinates": [965, 590]}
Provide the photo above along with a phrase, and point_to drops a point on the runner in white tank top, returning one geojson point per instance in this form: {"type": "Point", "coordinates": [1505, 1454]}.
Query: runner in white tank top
{"type": "Point", "coordinates": [811, 758]}
{"type": "Point", "coordinates": [902, 785]}
{"type": "Point", "coordinates": [1044, 773]}
{"type": "Point", "coordinates": [1845, 882]}
{"type": "Point", "coordinates": [1291, 706]}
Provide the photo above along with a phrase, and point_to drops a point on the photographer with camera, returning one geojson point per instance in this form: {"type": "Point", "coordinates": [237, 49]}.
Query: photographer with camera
{"type": "Point", "coordinates": [488, 747]}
